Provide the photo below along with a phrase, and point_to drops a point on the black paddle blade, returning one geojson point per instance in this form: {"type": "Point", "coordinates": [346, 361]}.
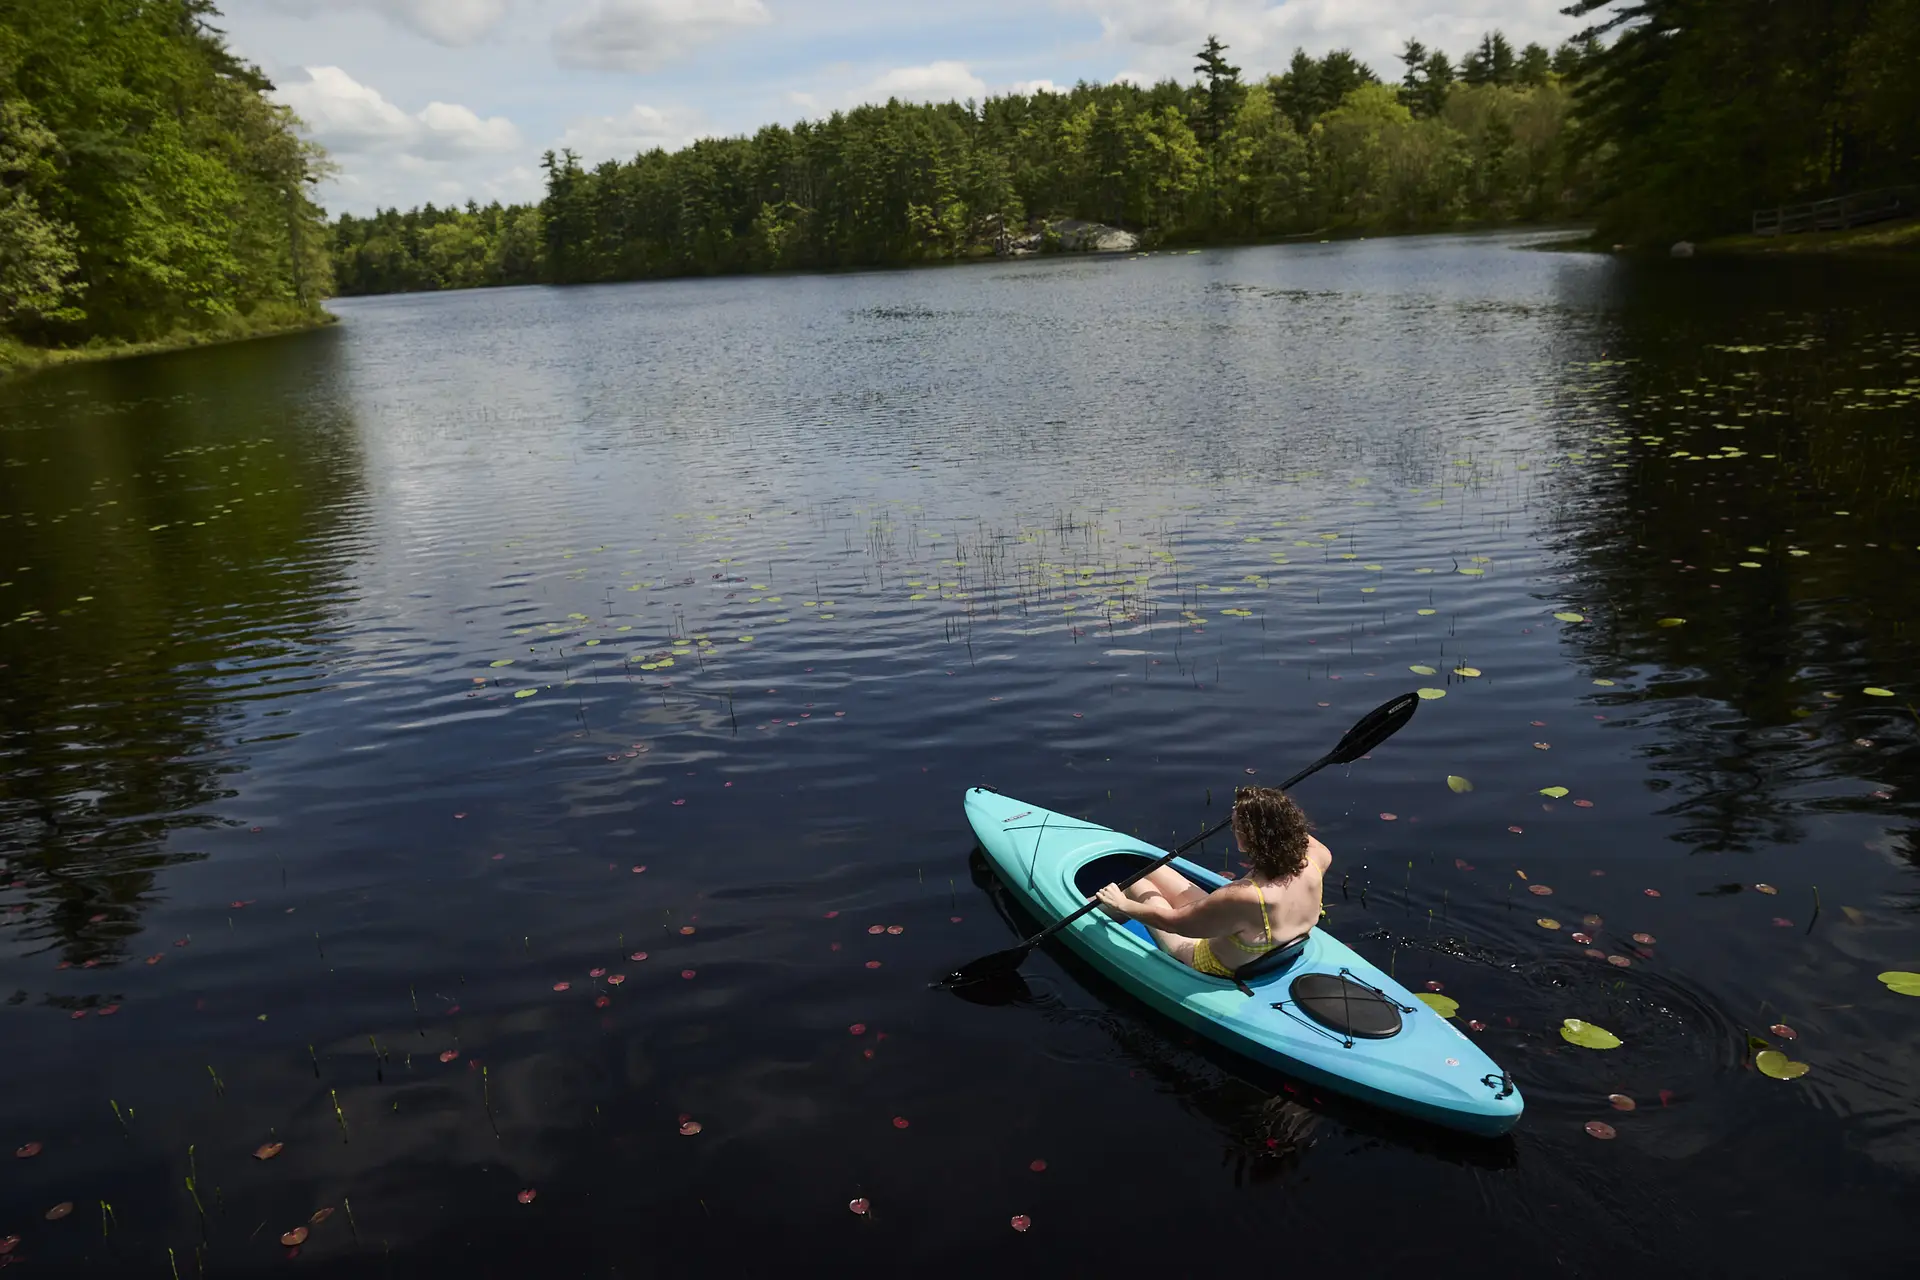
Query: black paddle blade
{"type": "Point", "coordinates": [1375, 728]}
{"type": "Point", "coordinates": [987, 968]}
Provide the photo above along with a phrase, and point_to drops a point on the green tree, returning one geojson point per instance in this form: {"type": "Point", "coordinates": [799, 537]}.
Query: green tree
{"type": "Point", "coordinates": [152, 178]}
{"type": "Point", "coordinates": [37, 261]}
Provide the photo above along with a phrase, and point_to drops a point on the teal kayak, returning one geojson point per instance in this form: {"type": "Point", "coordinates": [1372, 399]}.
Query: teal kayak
{"type": "Point", "coordinates": [1317, 1012]}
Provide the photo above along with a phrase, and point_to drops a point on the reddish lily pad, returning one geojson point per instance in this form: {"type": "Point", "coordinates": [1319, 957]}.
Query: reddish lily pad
{"type": "Point", "coordinates": [27, 1150]}
{"type": "Point", "coordinates": [689, 1127]}
{"type": "Point", "coordinates": [1038, 1166]}
{"type": "Point", "coordinates": [899, 1122]}
{"type": "Point", "coordinates": [1020, 1222]}
{"type": "Point", "coordinates": [527, 1196]}
{"type": "Point", "coordinates": [294, 1238]}
{"type": "Point", "coordinates": [1600, 1129]}
{"type": "Point", "coordinates": [859, 1205]}
{"type": "Point", "coordinates": [1621, 1102]}
{"type": "Point", "coordinates": [268, 1150]}
{"type": "Point", "coordinates": [1765, 888]}
{"type": "Point", "coordinates": [60, 1211]}
{"type": "Point", "coordinates": [1644, 939]}
{"type": "Point", "coordinates": [1539, 890]}
{"type": "Point", "coordinates": [1784, 1031]}
{"type": "Point", "coordinates": [1620, 962]}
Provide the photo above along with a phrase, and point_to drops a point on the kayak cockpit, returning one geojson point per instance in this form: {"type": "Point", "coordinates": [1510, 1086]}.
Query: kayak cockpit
{"type": "Point", "coordinates": [1111, 868]}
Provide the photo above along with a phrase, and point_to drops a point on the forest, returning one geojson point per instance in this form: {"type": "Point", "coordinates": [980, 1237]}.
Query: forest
{"type": "Point", "coordinates": [150, 190]}
{"type": "Point", "coordinates": [1325, 145]}
{"type": "Point", "coordinates": [150, 187]}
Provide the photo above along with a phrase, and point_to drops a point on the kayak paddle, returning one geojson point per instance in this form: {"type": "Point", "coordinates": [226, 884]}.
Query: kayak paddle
{"type": "Point", "coordinates": [1373, 729]}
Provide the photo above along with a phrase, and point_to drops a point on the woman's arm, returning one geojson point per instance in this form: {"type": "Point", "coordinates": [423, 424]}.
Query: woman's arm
{"type": "Point", "coordinates": [1207, 916]}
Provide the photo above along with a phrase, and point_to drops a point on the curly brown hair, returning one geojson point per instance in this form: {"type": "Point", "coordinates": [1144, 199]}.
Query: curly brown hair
{"type": "Point", "coordinates": [1273, 830]}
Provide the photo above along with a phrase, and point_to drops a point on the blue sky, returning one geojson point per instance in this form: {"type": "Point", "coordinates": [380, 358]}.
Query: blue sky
{"type": "Point", "coordinates": [445, 99]}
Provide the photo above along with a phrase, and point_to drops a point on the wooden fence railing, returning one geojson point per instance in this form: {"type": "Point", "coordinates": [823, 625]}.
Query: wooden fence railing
{"type": "Point", "coordinates": [1837, 213]}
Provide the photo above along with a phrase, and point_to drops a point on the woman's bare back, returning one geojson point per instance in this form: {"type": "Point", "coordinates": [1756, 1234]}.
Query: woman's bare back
{"type": "Point", "coordinates": [1291, 907]}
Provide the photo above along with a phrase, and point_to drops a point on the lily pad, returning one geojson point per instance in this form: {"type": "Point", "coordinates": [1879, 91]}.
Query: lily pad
{"type": "Point", "coordinates": [1430, 694]}
{"type": "Point", "coordinates": [1554, 792]}
{"type": "Point", "coordinates": [1458, 784]}
{"type": "Point", "coordinates": [1569, 616]}
{"type": "Point", "coordinates": [524, 693]}
{"type": "Point", "coordinates": [1421, 669]}
{"type": "Point", "coordinates": [1547, 922]}
{"type": "Point", "coordinates": [1901, 983]}
{"type": "Point", "coordinates": [1876, 691]}
{"type": "Point", "coordinates": [1671, 622]}
{"type": "Point", "coordinates": [1466, 671]}
{"type": "Point", "coordinates": [1588, 1036]}
{"type": "Point", "coordinates": [1778, 1065]}
{"type": "Point", "coordinates": [1445, 1006]}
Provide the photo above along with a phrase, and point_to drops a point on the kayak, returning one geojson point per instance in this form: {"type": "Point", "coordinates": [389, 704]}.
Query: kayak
{"type": "Point", "coordinates": [1317, 1011]}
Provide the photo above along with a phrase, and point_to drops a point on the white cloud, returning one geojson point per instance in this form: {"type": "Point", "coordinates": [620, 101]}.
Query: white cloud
{"type": "Point", "coordinates": [942, 81]}
{"type": "Point", "coordinates": [456, 23]}
{"type": "Point", "coordinates": [349, 118]}
{"type": "Point", "coordinates": [444, 152]}
{"type": "Point", "coordinates": [1034, 86]}
{"type": "Point", "coordinates": [639, 128]}
{"type": "Point", "coordinates": [643, 35]}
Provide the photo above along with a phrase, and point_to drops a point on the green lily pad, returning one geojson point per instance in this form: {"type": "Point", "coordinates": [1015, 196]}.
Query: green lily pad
{"type": "Point", "coordinates": [1554, 792]}
{"type": "Point", "coordinates": [1425, 613]}
{"type": "Point", "coordinates": [525, 693]}
{"type": "Point", "coordinates": [1458, 784]}
{"type": "Point", "coordinates": [1604, 683]}
{"type": "Point", "coordinates": [1874, 691]}
{"type": "Point", "coordinates": [1466, 671]}
{"type": "Point", "coordinates": [1902, 983]}
{"type": "Point", "coordinates": [1778, 1065]}
{"type": "Point", "coordinates": [1421, 669]}
{"type": "Point", "coordinates": [1671, 622]}
{"type": "Point", "coordinates": [1430, 694]}
{"type": "Point", "coordinates": [1588, 1036]}
{"type": "Point", "coordinates": [1445, 1006]}
{"type": "Point", "coordinates": [1570, 616]}
{"type": "Point", "coordinates": [501, 662]}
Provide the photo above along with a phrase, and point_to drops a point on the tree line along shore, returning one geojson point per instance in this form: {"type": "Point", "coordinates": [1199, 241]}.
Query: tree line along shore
{"type": "Point", "coordinates": [152, 193]}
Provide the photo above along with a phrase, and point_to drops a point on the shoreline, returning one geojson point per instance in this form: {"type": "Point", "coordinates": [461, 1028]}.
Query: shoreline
{"type": "Point", "coordinates": [1896, 240]}
{"type": "Point", "coordinates": [18, 360]}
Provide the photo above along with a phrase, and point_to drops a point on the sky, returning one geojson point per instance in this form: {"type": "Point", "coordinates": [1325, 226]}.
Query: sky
{"type": "Point", "coordinates": [446, 100]}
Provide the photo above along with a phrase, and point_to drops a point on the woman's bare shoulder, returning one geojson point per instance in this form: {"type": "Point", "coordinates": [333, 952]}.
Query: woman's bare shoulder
{"type": "Point", "coordinates": [1318, 852]}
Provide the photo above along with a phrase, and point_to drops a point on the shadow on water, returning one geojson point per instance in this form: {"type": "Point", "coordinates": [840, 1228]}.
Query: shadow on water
{"type": "Point", "coordinates": [143, 659]}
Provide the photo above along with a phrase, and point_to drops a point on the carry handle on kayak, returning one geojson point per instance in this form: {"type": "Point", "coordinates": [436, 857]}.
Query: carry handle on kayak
{"type": "Point", "coordinates": [1372, 729]}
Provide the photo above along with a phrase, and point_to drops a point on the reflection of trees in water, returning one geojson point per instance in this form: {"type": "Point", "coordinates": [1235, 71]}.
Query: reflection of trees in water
{"type": "Point", "coordinates": [128, 651]}
{"type": "Point", "coordinates": [1807, 377]}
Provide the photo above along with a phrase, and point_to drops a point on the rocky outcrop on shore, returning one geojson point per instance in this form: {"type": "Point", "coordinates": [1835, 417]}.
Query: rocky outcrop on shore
{"type": "Point", "coordinates": [1071, 235]}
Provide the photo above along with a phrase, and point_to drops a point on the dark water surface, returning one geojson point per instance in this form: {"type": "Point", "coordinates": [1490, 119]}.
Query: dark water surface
{"type": "Point", "coordinates": [360, 688]}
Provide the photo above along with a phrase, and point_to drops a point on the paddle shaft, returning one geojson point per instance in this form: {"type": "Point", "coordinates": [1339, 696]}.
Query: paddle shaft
{"type": "Point", "coordinates": [1164, 859]}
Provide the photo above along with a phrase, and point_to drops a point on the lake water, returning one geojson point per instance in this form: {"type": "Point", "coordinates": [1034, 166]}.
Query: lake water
{"type": "Point", "coordinates": [360, 689]}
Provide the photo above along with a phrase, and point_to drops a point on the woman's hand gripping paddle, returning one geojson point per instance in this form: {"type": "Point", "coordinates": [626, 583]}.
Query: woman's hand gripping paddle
{"type": "Point", "coordinates": [1373, 729]}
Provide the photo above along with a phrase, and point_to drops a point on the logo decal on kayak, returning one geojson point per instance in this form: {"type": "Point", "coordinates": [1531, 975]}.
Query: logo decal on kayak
{"type": "Point", "coordinates": [1016, 817]}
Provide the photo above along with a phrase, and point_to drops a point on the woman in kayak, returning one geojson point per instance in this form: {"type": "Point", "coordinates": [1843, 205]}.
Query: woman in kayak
{"type": "Point", "coordinates": [1218, 932]}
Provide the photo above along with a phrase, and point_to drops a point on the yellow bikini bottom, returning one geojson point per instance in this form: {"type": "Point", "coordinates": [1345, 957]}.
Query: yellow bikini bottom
{"type": "Point", "coordinates": [1203, 960]}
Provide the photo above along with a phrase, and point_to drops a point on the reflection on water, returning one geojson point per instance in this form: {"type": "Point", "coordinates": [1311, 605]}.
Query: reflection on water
{"type": "Point", "coordinates": [371, 701]}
